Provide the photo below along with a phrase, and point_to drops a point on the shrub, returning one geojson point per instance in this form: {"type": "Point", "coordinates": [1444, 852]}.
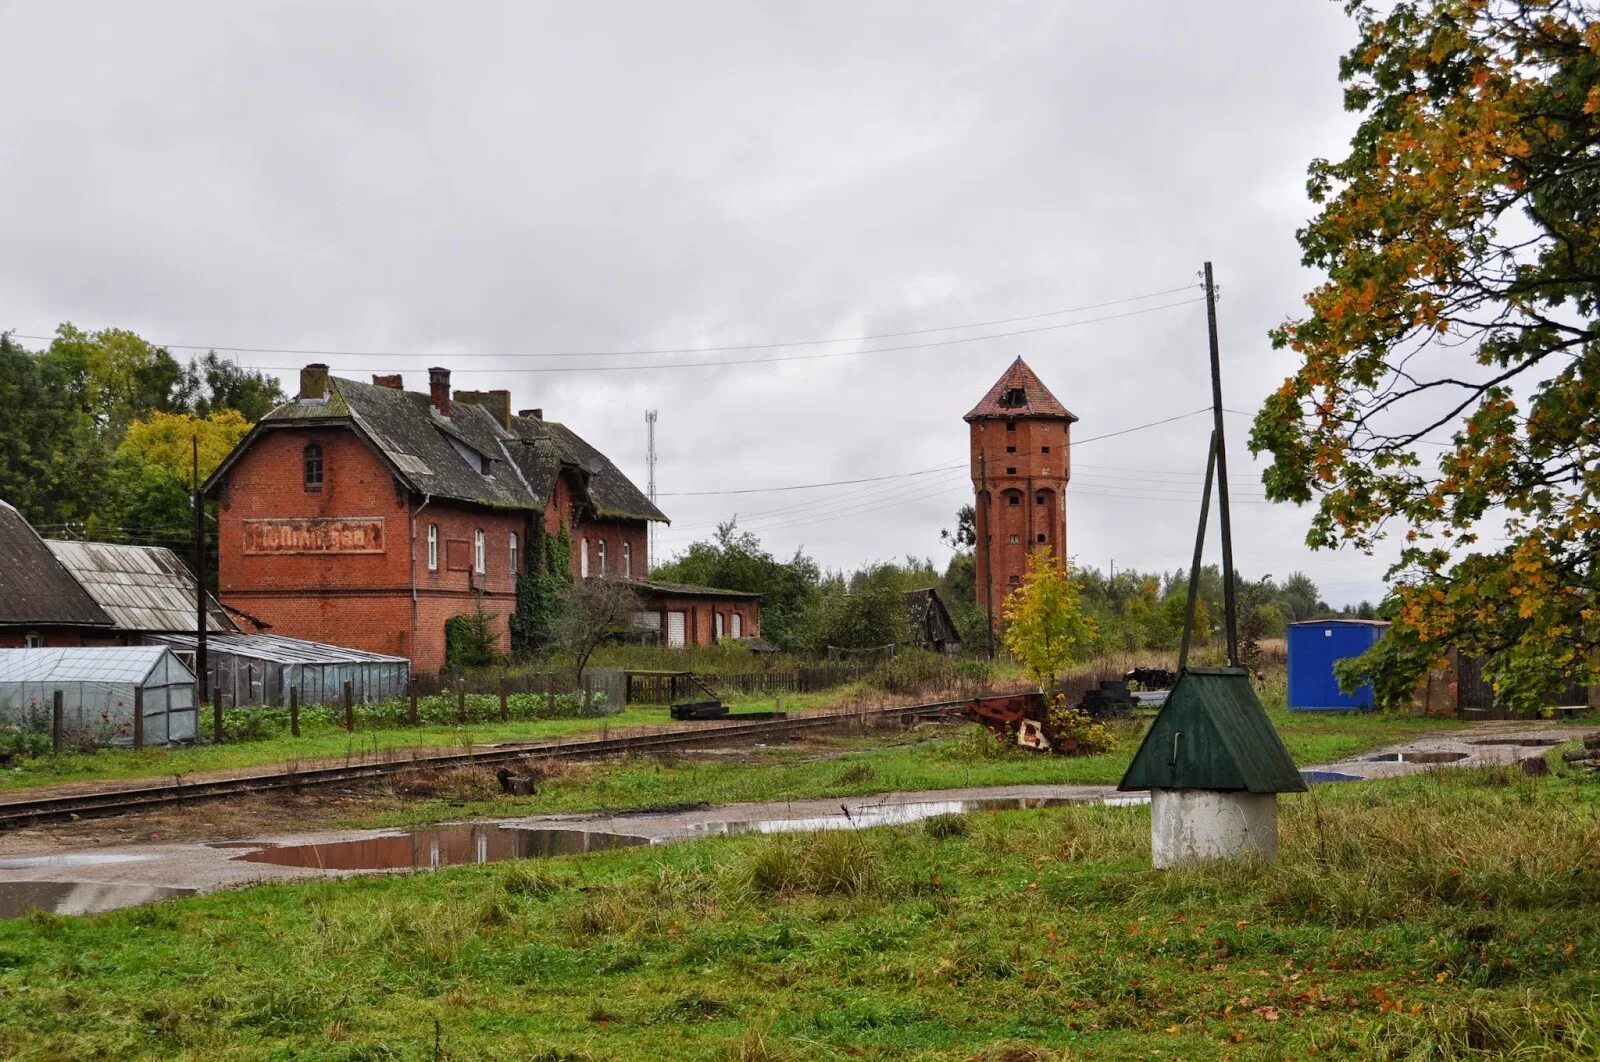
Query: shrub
{"type": "Point", "coordinates": [1073, 732]}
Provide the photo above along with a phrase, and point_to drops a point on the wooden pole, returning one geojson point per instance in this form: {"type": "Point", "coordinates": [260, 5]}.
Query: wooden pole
{"type": "Point", "coordinates": [1199, 547]}
{"type": "Point", "coordinates": [1228, 605]}
{"type": "Point", "coordinates": [505, 708]}
{"type": "Point", "coordinates": [461, 698]}
{"type": "Point", "coordinates": [58, 720]}
{"type": "Point", "coordinates": [349, 706]}
{"type": "Point", "coordinates": [411, 710]}
{"type": "Point", "coordinates": [550, 693]}
{"type": "Point", "coordinates": [138, 717]}
{"type": "Point", "coordinates": [294, 711]}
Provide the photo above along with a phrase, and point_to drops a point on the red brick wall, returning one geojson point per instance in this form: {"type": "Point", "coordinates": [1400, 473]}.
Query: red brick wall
{"type": "Point", "coordinates": [615, 534]}
{"type": "Point", "coordinates": [358, 600]}
{"type": "Point", "coordinates": [1015, 464]}
{"type": "Point", "coordinates": [59, 637]}
{"type": "Point", "coordinates": [699, 622]}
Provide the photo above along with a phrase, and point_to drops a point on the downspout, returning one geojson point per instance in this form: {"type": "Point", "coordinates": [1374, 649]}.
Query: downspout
{"type": "Point", "coordinates": [426, 499]}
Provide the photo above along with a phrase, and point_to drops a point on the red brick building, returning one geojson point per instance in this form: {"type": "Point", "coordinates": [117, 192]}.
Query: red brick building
{"type": "Point", "coordinates": [366, 515]}
{"type": "Point", "coordinates": [1021, 461]}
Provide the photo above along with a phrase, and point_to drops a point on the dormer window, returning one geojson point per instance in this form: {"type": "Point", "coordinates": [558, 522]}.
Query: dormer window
{"type": "Point", "coordinates": [479, 461]}
{"type": "Point", "coordinates": [1013, 398]}
{"type": "Point", "coordinates": [312, 461]}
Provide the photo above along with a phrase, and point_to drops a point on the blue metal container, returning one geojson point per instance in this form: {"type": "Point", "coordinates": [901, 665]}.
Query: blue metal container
{"type": "Point", "coordinates": [1314, 647]}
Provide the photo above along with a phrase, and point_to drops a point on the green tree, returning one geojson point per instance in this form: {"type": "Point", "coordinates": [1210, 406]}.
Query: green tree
{"type": "Point", "coordinates": [1045, 626]}
{"type": "Point", "coordinates": [864, 611]}
{"type": "Point", "coordinates": [211, 384]}
{"type": "Point", "coordinates": [55, 456]}
{"type": "Point", "coordinates": [1461, 242]}
{"type": "Point", "coordinates": [735, 560]}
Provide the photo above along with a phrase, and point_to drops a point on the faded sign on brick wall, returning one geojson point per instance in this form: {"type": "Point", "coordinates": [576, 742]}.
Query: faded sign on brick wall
{"type": "Point", "coordinates": [350, 534]}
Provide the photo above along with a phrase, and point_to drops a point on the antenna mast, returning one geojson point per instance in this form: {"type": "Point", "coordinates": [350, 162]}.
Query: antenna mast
{"type": "Point", "coordinates": [650, 463]}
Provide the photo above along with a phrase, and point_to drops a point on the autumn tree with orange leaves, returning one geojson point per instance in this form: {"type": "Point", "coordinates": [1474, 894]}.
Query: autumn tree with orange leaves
{"type": "Point", "coordinates": [1448, 387]}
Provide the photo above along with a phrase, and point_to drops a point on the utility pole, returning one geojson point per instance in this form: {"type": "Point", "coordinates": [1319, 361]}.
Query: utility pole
{"type": "Point", "coordinates": [200, 589]}
{"type": "Point", "coordinates": [650, 463]}
{"type": "Point", "coordinates": [1228, 605]}
{"type": "Point", "coordinates": [988, 550]}
{"type": "Point", "coordinates": [1199, 549]}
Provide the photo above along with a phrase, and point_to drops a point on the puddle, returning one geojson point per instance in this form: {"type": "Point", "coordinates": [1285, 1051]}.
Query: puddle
{"type": "Point", "coordinates": [69, 859]}
{"type": "Point", "coordinates": [1314, 777]}
{"type": "Point", "coordinates": [1525, 743]}
{"type": "Point", "coordinates": [17, 898]}
{"type": "Point", "coordinates": [897, 814]}
{"type": "Point", "coordinates": [442, 847]}
{"type": "Point", "coordinates": [1417, 757]}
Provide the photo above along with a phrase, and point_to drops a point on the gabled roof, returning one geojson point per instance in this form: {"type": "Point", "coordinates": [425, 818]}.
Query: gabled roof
{"type": "Point", "coordinates": [35, 589]}
{"type": "Point", "coordinates": [1212, 733]}
{"type": "Point", "coordinates": [1019, 393]}
{"type": "Point", "coordinates": [688, 590]}
{"type": "Point", "coordinates": [117, 663]}
{"type": "Point", "coordinates": [547, 446]}
{"type": "Point", "coordinates": [468, 456]}
{"type": "Point", "coordinates": [142, 588]}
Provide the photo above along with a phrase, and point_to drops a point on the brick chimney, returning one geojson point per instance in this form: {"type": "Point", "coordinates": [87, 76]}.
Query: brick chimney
{"type": "Point", "coordinates": [393, 380]}
{"type": "Point", "coordinates": [314, 381]}
{"type": "Point", "coordinates": [498, 403]}
{"type": "Point", "coordinates": [531, 414]}
{"type": "Point", "coordinates": [439, 389]}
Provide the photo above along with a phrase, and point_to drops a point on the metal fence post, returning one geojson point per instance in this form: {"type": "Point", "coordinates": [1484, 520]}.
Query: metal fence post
{"type": "Point", "coordinates": [58, 719]}
{"type": "Point", "coordinates": [138, 717]}
{"type": "Point", "coordinates": [505, 709]}
{"type": "Point", "coordinates": [461, 697]}
{"type": "Point", "coordinates": [294, 711]}
{"type": "Point", "coordinates": [349, 706]}
{"type": "Point", "coordinates": [411, 711]}
{"type": "Point", "coordinates": [550, 693]}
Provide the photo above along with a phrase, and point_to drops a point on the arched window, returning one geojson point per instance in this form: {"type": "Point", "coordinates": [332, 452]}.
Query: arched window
{"type": "Point", "coordinates": [433, 547]}
{"type": "Point", "coordinates": [601, 556]}
{"type": "Point", "coordinates": [716, 618]}
{"type": "Point", "coordinates": [1013, 497]}
{"type": "Point", "coordinates": [627, 561]}
{"type": "Point", "coordinates": [514, 568]}
{"type": "Point", "coordinates": [583, 559]}
{"type": "Point", "coordinates": [477, 551]}
{"type": "Point", "coordinates": [313, 467]}
{"type": "Point", "coordinates": [738, 625]}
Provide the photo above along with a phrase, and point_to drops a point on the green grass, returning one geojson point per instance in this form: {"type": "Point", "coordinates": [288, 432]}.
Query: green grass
{"type": "Point", "coordinates": [1449, 915]}
{"type": "Point", "coordinates": [322, 738]}
{"type": "Point", "coordinates": [887, 761]}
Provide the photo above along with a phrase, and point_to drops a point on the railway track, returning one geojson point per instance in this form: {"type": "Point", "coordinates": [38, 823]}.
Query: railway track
{"type": "Point", "coordinates": [145, 797]}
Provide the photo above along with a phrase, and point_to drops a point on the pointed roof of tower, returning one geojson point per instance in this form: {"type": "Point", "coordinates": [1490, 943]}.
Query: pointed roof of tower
{"type": "Point", "coordinates": [1019, 393]}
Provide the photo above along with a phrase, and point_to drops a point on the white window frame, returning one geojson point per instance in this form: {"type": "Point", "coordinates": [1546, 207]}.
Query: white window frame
{"type": "Point", "coordinates": [478, 559]}
{"type": "Point", "coordinates": [583, 558]}
{"type": "Point", "coordinates": [600, 555]}
{"type": "Point", "coordinates": [717, 623]}
{"type": "Point", "coordinates": [512, 541]}
{"type": "Point", "coordinates": [33, 640]}
{"type": "Point", "coordinates": [433, 547]}
{"type": "Point", "coordinates": [627, 561]}
{"type": "Point", "coordinates": [737, 624]}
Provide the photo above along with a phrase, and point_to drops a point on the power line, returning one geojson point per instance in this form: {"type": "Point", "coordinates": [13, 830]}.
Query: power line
{"type": "Point", "coordinates": [922, 472]}
{"type": "Point", "coordinates": [703, 364]}
{"type": "Point", "coordinates": [669, 350]}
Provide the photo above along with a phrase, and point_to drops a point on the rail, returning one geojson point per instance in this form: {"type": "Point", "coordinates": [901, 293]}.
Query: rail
{"type": "Point", "coordinates": [139, 798]}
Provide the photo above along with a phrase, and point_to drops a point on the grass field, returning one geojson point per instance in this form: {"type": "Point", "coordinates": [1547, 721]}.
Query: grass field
{"type": "Point", "coordinates": [1448, 915]}
{"type": "Point", "coordinates": [888, 761]}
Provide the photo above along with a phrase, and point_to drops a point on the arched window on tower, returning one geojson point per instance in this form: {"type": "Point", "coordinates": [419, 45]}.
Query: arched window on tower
{"type": "Point", "coordinates": [1012, 497]}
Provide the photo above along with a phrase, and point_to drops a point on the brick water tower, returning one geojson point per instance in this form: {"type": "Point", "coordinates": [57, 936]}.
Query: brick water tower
{"type": "Point", "coordinates": [1021, 461]}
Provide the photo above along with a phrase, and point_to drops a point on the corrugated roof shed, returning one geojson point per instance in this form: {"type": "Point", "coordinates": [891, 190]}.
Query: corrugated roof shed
{"type": "Point", "coordinates": [35, 589]}
{"type": "Point", "coordinates": [1019, 393]}
{"type": "Point", "coordinates": [142, 588]}
{"type": "Point", "coordinates": [280, 649]}
{"type": "Point", "coordinates": [1212, 733]}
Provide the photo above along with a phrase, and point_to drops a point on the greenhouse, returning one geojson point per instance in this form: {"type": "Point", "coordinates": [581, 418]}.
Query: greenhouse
{"type": "Point", "coordinates": [99, 688]}
{"type": "Point", "coordinates": [252, 669]}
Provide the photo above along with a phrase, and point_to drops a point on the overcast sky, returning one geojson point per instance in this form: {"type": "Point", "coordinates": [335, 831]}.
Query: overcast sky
{"type": "Point", "coordinates": [477, 184]}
